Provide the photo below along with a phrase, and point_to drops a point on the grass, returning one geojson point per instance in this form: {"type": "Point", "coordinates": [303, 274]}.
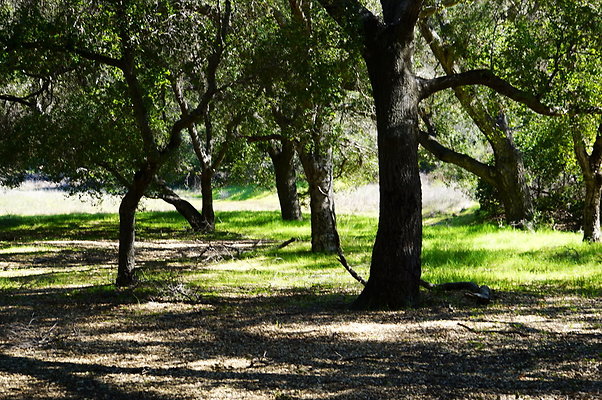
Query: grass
{"type": "Point", "coordinates": [454, 249]}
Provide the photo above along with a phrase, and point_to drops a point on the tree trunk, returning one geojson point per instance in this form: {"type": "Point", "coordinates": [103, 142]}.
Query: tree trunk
{"type": "Point", "coordinates": [591, 209]}
{"type": "Point", "coordinates": [317, 165]}
{"type": "Point", "coordinates": [207, 211]}
{"type": "Point", "coordinates": [591, 168]}
{"type": "Point", "coordinates": [507, 176]}
{"type": "Point", "coordinates": [395, 269]}
{"type": "Point", "coordinates": [127, 225]}
{"type": "Point", "coordinates": [286, 180]}
{"type": "Point", "coordinates": [511, 184]}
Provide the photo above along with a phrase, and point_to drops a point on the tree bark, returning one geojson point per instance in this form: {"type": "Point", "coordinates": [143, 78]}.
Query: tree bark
{"type": "Point", "coordinates": [512, 186]}
{"type": "Point", "coordinates": [592, 177]}
{"type": "Point", "coordinates": [395, 268]}
{"type": "Point", "coordinates": [127, 225]}
{"type": "Point", "coordinates": [283, 159]}
{"type": "Point", "coordinates": [207, 210]}
{"type": "Point", "coordinates": [317, 164]}
{"type": "Point", "coordinates": [591, 209]}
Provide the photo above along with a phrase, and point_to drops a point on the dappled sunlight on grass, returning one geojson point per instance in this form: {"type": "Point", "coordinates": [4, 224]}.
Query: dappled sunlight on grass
{"type": "Point", "coordinates": [454, 249]}
{"type": "Point", "coordinates": [510, 259]}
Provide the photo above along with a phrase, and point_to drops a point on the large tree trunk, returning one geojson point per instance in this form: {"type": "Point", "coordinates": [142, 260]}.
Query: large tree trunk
{"type": "Point", "coordinates": [512, 186]}
{"type": "Point", "coordinates": [591, 209]}
{"type": "Point", "coordinates": [317, 164]}
{"type": "Point", "coordinates": [127, 226]}
{"type": "Point", "coordinates": [395, 269]}
{"type": "Point", "coordinates": [207, 200]}
{"type": "Point", "coordinates": [286, 180]}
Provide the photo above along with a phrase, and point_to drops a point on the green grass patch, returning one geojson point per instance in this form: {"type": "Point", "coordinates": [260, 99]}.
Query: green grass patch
{"type": "Point", "coordinates": [454, 249]}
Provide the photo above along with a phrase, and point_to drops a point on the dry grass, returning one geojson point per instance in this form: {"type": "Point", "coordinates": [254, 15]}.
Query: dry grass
{"type": "Point", "coordinates": [35, 198]}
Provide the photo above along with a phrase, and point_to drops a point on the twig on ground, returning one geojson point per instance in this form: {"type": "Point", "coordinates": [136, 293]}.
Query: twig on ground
{"type": "Point", "coordinates": [344, 263]}
{"type": "Point", "coordinates": [286, 243]}
{"type": "Point", "coordinates": [482, 294]}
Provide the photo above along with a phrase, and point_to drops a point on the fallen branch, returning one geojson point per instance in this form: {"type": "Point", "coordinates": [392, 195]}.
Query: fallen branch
{"type": "Point", "coordinates": [344, 263]}
{"type": "Point", "coordinates": [478, 331]}
{"type": "Point", "coordinates": [286, 243]}
{"type": "Point", "coordinates": [482, 294]}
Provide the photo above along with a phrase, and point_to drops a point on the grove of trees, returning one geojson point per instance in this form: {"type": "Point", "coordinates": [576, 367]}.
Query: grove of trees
{"type": "Point", "coordinates": [123, 96]}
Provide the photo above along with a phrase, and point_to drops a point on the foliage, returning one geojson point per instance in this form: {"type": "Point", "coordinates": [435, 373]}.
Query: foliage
{"type": "Point", "coordinates": [313, 89]}
{"type": "Point", "coordinates": [551, 49]}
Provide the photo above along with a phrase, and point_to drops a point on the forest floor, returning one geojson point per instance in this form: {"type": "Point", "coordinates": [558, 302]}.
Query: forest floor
{"type": "Point", "coordinates": [231, 316]}
{"type": "Point", "coordinates": [165, 340]}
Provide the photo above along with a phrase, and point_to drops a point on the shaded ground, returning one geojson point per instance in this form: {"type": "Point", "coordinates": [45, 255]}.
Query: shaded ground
{"type": "Point", "coordinates": [99, 343]}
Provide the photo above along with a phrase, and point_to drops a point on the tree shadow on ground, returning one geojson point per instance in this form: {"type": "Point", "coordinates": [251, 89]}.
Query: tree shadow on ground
{"type": "Point", "coordinates": [297, 343]}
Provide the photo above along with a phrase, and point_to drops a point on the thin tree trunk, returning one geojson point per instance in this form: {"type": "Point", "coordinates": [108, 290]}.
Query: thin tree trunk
{"type": "Point", "coordinates": [286, 180]}
{"type": "Point", "coordinates": [317, 165]}
{"type": "Point", "coordinates": [207, 210]}
{"type": "Point", "coordinates": [395, 269]}
{"type": "Point", "coordinates": [591, 209]}
{"type": "Point", "coordinates": [127, 226]}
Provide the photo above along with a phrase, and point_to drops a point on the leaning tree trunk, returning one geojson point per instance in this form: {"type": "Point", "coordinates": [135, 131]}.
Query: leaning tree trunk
{"type": "Point", "coordinates": [317, 165]}
{"type": "Point", "coordinates": [591, 209]}
{"type": "Point", "coordinates": [127, 226]}
{"type": "Point", "coordinates": [207, 210]}
{"type": "Point", "coordinates": [188, 211]}
{"type": "Point", "coordinates": [395, 269]}
{"type": "Point", "coordinates": [286, 180]}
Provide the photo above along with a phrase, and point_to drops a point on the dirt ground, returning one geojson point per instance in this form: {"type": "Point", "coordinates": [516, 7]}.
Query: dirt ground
{"type": "Point", "coordinates": [55, 344]}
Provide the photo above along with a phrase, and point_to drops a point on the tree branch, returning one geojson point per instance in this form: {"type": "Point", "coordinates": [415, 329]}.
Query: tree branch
{"type": "Point", "coordinates": [351, 271]}
{"type": "Point", "coordinates": [70, 48]}
{"type": "Point", "coordinates": [263, 138]}
{"type": "Point", "coordinates": [348, 14]}
{"type": "Point", "coordinates": [445, 154]}
{"type": "Point", "coordinates": [231, 134]}
{"type": "Point", "coordinates": [16, 99]}
{"type": "Point", "coordinates": [200, 152]}
{"type": "Point", "coordinates": [25, 99]}
{"type": "Point", "coordinates": [437, 7]}
{"type": "Point", "coordinates": [116, 174]}
{"type": "Point", "coordinates": [100, 58]}
{"type": "Point", "coordinates": [486, 78]}
{"type": "Point", "coordinates": [190, 117]}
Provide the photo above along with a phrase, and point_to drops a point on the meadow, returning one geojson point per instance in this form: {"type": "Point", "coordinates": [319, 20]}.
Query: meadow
{"type": "Point", "coordinates": [233, 315]}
